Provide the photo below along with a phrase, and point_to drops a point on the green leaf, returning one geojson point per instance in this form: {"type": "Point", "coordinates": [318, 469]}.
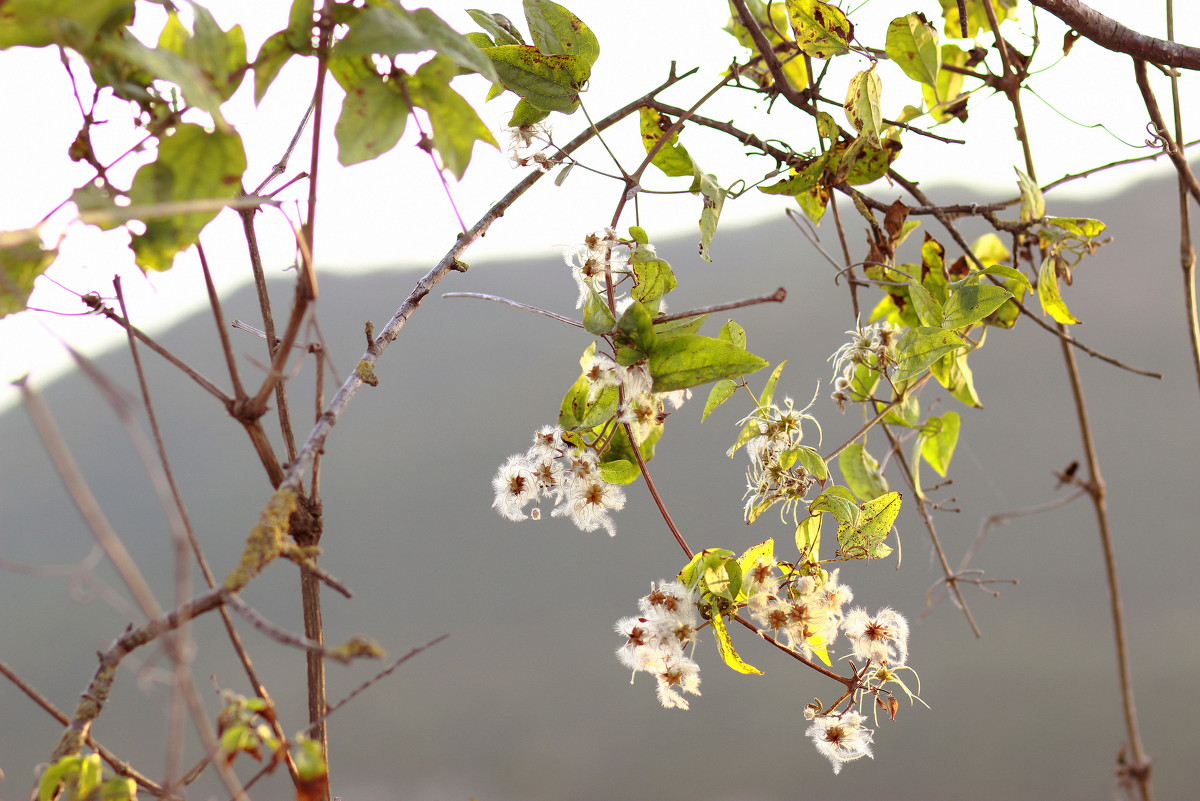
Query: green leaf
{"type": "Point", "coordinates": [71, 23]}
{"type": "Point", "coordinates": [389, 30]}
{"type": "Point", "coordinates": [728, 652]}
{"type": "Point", "coordinates": [192, 165]}
{"type": "Point", "coordinates": [940, 436]}
{"type": "Point", "coordinates": [598, 319]}
{"type": "Point", "coordinates": [549, 82]}
{"type": "Point", "coordinates": [1009, 274]}
{"type": "Point", "coordinates": [913, 44]}
{"type": "Point", "coordinates": [450, 43]}
{"type": "Point", "coordinates": [733, 333]}
{"type": "Point", "coordinates": [498, 26]}
{"type": "Point", "coordinates": [1049, 295]}
{"type": "Point", "coordinates": [701, 563]}
{"type": "Point", "coordinates": [654, 277]}
{"type": "Point", "coordinates": [197, 88]}
{"type": "Point", "coordinates": [714, 199]}
{"type": "Point", "coordinates": [863, 539]}
{"type": "Point", "coordinates": [301, 22]}
{"type": "Point", "coordinates": [689, 361]}
{"type": "Point", "coordinates": [635, 331]}
{"type": "Point", "coordinates": [921, 347]}
{"type": "Point", "coordinates": [271, 57]}
{"type": "Point", "coordinates": [821, 30]}
{"type": "Point", "coordinates": [577, 414]}
{"type": "Point", "coordinates": [870, 163]}
{"type": "Point", "coordinates": [680, 327]}
{"type": "Point", "coordinates": [456, 126]}
{"type": "Point", "coordinates": [721, 391]}
{"type": "Point", "coordinates": [372, 121]}
{"type": "Point", "coordinates": [970, 304]}
{"type": "Point", "coordinates": [809, 459]}
{"type": "Point", "coordinates": [1033, 205]}
{"type": "Point", "coordinates": [22, 260]}
{"type": "Point", "coordinates": [813, 203]}
{"type": "Point", "coordinates": [946, 102]}
{"type": "Point", "coordinates": [557, 31]}
{"type": "Point", "coordinates": [672, 158]}
{"type": "Point", "coordinates": [220, 55]}
{"type": "Point", "coordinates": [862, 106]}
{"type": "Point", "coordinates": [990, 250]}
{"type": "Point", "coordinates": [839, 502]}
{"type": "Point", "coordinates": [723, 579]}
{"type": "Point", "coordinates": [525, 113]}
{"type": "Point", "coordinates": [953, 373]}
{"type": "Point", "coordinates": [119, 788]}
{"type": "Point", "coordinates": [808, 538]}
{"type": "Point", "coordinates": [861, 472]}
{"type": "Point", "coordinates": [619, 471]}
{"type": "Point", "coordinates": [767, 396]}
{"type": "Point", "coordinates": [929, 310]}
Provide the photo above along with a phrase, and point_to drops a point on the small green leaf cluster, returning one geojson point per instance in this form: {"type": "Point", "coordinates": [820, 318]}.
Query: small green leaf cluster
{"type": "Point", "coordinates": [81, 778]}
{"type": "Point", "coordinates": [247, 726]}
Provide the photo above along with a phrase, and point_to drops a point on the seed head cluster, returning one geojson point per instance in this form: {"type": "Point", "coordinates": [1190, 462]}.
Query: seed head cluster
{"type": "Point", "coordinates": [568, 475]}
{"type": "Point", "coordinates": [656, 639]}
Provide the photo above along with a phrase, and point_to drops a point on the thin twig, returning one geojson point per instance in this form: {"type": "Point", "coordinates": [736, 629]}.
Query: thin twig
{"type": "Point", "coordinates": [923, 511]}
{"type": "Point", "coordinates": [514, 304]}
{"type": "Point", "coordinates": [778, 296]}
{"type": "Point", "coordinates": [86, 502]}
{"type": "Point", "coordinates": [94, 303]}
{"type": "Point", "coordinates": [1139, 769]}
{"type": "Point", "coordinates": [987, 524]}
{"type": "Point", "coordinates": [120, 766]}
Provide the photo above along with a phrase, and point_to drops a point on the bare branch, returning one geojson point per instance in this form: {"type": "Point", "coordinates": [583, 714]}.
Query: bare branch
{"type": "Point", "coordinates": [1112, 35]}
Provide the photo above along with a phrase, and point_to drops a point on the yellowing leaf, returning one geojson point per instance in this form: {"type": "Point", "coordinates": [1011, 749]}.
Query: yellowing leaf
{"type": "Point", "coordinates": [862, 106]}
{"type": "Point", "coordinates": [1049, 295]}
{"type": "Point", "coordinates": [863, 539]}
{"type": "Point", "coordinates": [821, 30]}
{"type": "Point", "coordinates": [728, 652]}
{"type": "Point", "coordinates": [671, 158]}
{"type": "Point", "coordinates": [913, 44]}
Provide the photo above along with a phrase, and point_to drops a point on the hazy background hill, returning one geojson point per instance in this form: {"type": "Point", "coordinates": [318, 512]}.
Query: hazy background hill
{"type": "Point", "coordinates": [525, 699]}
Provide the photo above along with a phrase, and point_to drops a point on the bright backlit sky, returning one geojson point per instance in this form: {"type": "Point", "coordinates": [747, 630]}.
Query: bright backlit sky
{"type": "Point", "coordinates": [393, 212]}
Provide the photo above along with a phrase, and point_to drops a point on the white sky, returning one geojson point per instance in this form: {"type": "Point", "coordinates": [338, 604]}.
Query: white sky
{"type": "Point", "coordinates": [393, 212]}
